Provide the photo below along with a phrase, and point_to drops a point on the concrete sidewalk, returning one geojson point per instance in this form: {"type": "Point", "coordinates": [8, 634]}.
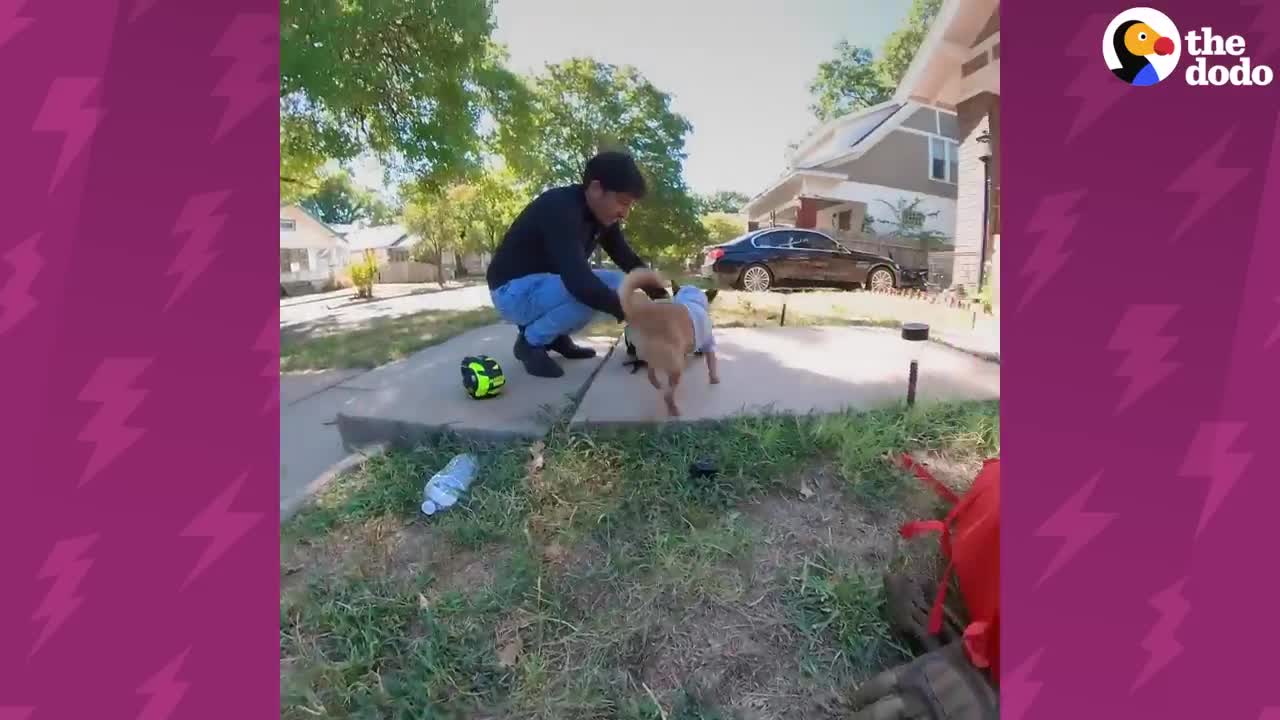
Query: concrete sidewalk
{"type": "Point", "coordinates": [310, 446]}
{"type": "Point", "coordinates": [782, 370]}
{"type": "Point", "coordinates": [798, 370]}
{"type": "Point", "coordinates": [406, 401]}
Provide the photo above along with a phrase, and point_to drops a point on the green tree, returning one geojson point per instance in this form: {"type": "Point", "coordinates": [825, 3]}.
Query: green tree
{"type": "Point", "coordinates": [855, 79]}
{"type": "Point", "coordinates": [582, 106]}
{"type": "Point", "coordinates": [722, 227]}
{"type": "Point", "coordinates": [406, 80]}
{"type": "Point", "coordinates": [902, 44]}
{"type": "Point", "coordinates": [497, 199]}
{"type": "Point", "coordinates": [723, 201]}
{"type": "Point", "coordinates": [437, 217]}
{"type": "Point", "coordinates": [338, 201]}
{"type": "Point", "coordinates": [847, 83]}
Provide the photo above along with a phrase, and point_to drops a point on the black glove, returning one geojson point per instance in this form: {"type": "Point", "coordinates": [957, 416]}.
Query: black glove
{"type": "Point", "coordinates": [940, 685]}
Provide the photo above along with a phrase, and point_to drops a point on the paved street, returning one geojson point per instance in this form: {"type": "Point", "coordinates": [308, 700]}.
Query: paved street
{"type": "Point", "coordinates": [338, 309]}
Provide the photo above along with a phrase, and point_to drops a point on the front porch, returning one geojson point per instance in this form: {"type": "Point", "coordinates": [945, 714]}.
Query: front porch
{"type": "Point", "coordinates": [832, 203]}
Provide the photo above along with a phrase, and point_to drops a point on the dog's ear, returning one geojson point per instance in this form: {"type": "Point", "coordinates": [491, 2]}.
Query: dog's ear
{"type": "Point", "coordinates": [711, 295]}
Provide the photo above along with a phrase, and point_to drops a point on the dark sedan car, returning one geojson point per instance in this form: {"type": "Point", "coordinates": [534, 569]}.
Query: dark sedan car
{"type": "Point", "coordinates": [775, 257]}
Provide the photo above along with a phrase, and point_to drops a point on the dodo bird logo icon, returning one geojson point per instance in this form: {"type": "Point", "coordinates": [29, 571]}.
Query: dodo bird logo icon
{"type": "Point", "coordinates": [1141, 46]}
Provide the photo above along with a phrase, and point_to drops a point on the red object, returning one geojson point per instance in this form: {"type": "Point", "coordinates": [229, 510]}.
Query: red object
{"type": "Point", "coordinates": [807, 213]}
{"type": "Point", "coordinates": [715, 254]}
{"type": "Point", "coordinates": [970, 539]}
{"type": "Point", "coordinates": [1164, 46]}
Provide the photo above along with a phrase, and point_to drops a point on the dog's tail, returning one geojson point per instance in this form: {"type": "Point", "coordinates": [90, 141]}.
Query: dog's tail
{"type": "Point", "coordinates": [635, 280]}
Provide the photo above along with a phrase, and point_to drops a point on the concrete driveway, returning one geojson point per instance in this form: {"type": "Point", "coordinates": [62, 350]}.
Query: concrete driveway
{"type": "Point", "coordinates": [340, 309]}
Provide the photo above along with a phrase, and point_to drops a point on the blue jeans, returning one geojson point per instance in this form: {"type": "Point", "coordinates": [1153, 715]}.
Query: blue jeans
{"type": "Point", "coordinates": [542, 305]}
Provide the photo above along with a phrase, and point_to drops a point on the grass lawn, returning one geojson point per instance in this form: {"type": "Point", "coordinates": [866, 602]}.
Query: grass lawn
{"type": "Point", "coordinates": [382, 341]}
{"type": "Point", "coordinates": [589, 576]}
{"type": "Point", "coordinates": [733, 308]}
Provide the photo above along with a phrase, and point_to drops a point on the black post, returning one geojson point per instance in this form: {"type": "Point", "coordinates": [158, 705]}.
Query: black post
{"type": "Point", "coordinates": [783, 322]}
{"type": "Point", "coordinates": [911, 384]}
{"type": "Point", "coordinates": [914, 333]}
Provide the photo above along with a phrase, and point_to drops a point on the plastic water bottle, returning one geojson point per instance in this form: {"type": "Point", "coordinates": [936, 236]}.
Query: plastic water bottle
{"type": "Point", "coordinates": [445, 487]}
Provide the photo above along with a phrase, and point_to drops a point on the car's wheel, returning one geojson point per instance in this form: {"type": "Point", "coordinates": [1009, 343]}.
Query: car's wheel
{"type": "Point", "coordinates": [756, 278]}
{"type": "Point", "coordinates": [880, 279]}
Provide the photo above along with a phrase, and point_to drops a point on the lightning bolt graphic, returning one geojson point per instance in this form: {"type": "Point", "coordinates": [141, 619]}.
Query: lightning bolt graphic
{"type": "Point", "coordinates": [1264, 31]}
{"type": "Point", "coordinates": [222, 526]}
{"type": "Point", "coordinates": [10, 712]}
{"type": "Point", "coordinates": [1160, 643]}
{"type": "Point", "coordinates": [140, 8]}
{"type": "Point", "coordinates": [1271, 713]}
{"type": "Point", "coordinates": [111, 387]}
{"type": "Point", "coordinates": [1095, 87]}
{"type": "Point", "coordinates": [1074, 526]}
{"type": "Point", "coordinates": [1208, 181]}
{"type": "Point", "coordinates": [67, 567]}
{"type": "Point", "coordinates": [1018, 690]}
{"type": "Point", "coordinates": [16, 300]}
{"type": "Point", "coordinates": [164, 690]}
{"type": "Point", "coordinates": [1210, 456]}
{"type": "Point", "coordinates": [11, 23]}
{"type": "Point", "coordinates": [200, 221]}
{"type": "Point", "coordinates": [251, 43]}
{"type": "Point", "coordinates": [269, 342]}
{"type": "Point", "coordinates": [1054, 220]}
{"type": "Point", "coordinates": [1275, 334]}
{"type": "Point", "coordinates": [66, 110]}
{"type": "Point", "coordinates": [1138, 335]}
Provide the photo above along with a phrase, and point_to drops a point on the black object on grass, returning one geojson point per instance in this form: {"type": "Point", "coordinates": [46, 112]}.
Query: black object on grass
{"type": "Point", "coordinates": [703, 470]}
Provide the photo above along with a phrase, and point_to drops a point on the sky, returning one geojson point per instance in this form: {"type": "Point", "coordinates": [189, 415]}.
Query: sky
{"type": "Point", "coordinates": [738, 70]}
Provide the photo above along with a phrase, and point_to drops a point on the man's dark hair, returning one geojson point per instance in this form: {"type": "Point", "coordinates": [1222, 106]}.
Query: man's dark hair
{"type": "Point", "coordinates": [617, 172]}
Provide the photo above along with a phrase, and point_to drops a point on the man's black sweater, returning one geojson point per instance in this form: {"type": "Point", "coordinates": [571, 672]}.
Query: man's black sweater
{"type": "Point", "coordinates": [556, 234]}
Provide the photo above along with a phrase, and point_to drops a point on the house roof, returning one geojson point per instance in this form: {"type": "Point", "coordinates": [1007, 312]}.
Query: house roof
{"type": "Point", "coordinates": [312, 215]}
{"type": "Point", "coordinates": [378, 237]}
{"type": "Point", "coordinates": [858, 143]}
{"type": "Point", "coordinates": [870, 135]}
{"type": "Point", "coordinates": [831, 127]}
{"type": "Point", "coordinates": [946, 45]}
{"type": "Point", "coordinates": [928, 47]}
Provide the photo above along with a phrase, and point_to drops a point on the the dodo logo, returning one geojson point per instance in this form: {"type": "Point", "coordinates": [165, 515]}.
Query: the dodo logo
{"type": "Point", "coordinates": [1141, 46]}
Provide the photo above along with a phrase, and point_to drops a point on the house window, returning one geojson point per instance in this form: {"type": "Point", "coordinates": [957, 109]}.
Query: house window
{"type": "Point", "coordinates": [287, 224]}
{"type": "Point", "coordinates": [843, 219]}
{"type": "Point", "coordinates": [398, 254]}
{"type": "Point", "coordinates": [944, 160]}
{"type": "Point", "coordinates": [293, 260]}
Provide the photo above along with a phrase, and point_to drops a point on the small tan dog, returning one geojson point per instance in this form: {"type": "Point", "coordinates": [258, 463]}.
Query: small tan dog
{"type": "Point", "coordinates": [665, 333]}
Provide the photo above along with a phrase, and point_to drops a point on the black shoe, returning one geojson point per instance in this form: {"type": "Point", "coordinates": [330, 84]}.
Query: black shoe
{"type": "Point", "coordinates": [536, 360]}
{"type": "Point", "coordinates": [567, 348]}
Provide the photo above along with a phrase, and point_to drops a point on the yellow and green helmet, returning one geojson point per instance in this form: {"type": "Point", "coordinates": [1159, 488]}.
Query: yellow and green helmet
{"type": "Point", "coordinates": [482, 376]}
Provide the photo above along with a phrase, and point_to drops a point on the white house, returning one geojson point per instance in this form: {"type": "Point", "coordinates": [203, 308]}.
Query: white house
{"type": "Point", "coordinates": [868, 162]}
{"type": "Point", "coordinates": [312, 254]}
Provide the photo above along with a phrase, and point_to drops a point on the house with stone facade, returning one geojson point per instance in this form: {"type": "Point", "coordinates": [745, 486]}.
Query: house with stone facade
{"type": "Point", "coordinates": [958, 68]}
{"type": "Point", "coordinates": [872, 164]}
